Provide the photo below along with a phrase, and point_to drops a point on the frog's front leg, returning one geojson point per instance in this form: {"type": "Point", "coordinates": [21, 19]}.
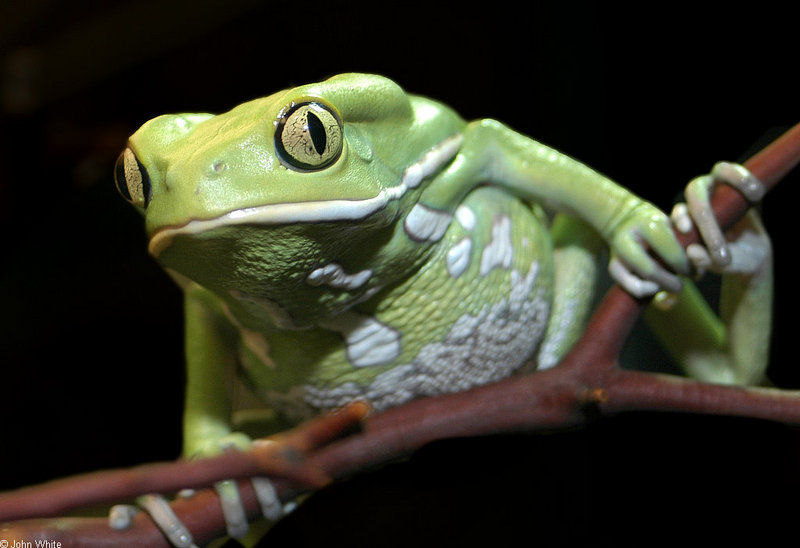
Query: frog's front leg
{"type": "Point", "coordinates": [494, 154]}
{"type": "Point", "coordinates": [731, 346]}
{"type": "Point", "coordinates": [210, 355]}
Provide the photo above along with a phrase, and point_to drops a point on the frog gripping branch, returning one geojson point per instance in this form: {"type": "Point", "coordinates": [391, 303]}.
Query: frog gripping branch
{"type": "Point", "coordinates": [401, 248]}
{"type": "Point", "coordinates": [347, 241]}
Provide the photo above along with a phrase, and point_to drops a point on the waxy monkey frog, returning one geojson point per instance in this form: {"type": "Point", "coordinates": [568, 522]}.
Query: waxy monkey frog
{"type": "Point", "coordinates": [346, 240]}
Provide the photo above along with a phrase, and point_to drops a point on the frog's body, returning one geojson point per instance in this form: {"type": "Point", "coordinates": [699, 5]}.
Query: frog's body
{"type": "Point", "coordinates": [470, 305]}
{"type": "Point", "coordinates": [472, 313]}
{"type": "Point", "coordinates": [345, 240]}
{"type": "Point", "coordinates": [387, 272]}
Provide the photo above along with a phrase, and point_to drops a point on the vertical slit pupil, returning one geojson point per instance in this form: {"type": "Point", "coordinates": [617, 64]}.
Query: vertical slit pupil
{"type": "Point", "coordinates": [316, 130]}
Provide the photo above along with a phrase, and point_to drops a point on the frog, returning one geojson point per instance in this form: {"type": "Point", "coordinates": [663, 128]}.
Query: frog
{"type": "Point", "coordinates": [347, 240]}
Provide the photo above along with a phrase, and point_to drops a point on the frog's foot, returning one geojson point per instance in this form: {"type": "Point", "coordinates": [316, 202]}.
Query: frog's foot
{"type": "Point", "coordinates": [228, 491]}
{"type": "Point", "coordinates": [230, 501]}
{"type": "Point", "coordinates": [233, 509]}
{"type": "Point", "coordinates": [636, 285]}
{"type": "Point", "coordinates": [738, 251]}
{"type": "Point", "coordinates": [160, 512]}
{"type": "Point", "coordinates": [646, 254]}
{"type": "Point", "coordinates": [177, 533]}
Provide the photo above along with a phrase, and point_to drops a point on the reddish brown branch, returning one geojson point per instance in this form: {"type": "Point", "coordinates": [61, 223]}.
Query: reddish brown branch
{"type": "Point", "coordinates": [770, 165]}
{"type": "Point", "coordinates": [589, 377]}
{"type": "Point", "coordinates": [282, 460]}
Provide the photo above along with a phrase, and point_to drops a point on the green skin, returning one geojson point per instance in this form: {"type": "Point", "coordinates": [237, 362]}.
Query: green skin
{"type": "Point", "coordinates": [374, 245]}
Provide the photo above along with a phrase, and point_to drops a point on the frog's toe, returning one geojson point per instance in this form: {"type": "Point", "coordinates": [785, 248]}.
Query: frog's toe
{"type": "Point", "coordinates": [701, 215]}
{"type": "Point", "coordinates": [164, 517]}
{"type": "Point", "coordinates": [268, 499]}
{"type": "Point", "coordinates": [700, 258]}
{"type": "Point", "coordinates": [236, 522]}
{"type": "Point", "coordinates": [698, 255]}
{"type": "Point", "coordinates": [121, 515]}
{"type": "Point", "coordinates": [740, 178]}
{"type": "Point", "coordinates": [634, 268]}
{"type": "Point", "coordinates": [634, 284]}
{"type": "Point", "coordinates": [717, 254]}
{"type": "Point", "coordinates": [232, 508]}
{"type": "Point", "coordinates": [228, 490]}
{"type": "Point", "coordinates": [681, 218]}
{"type": "Point", "coordinates": [698, 200]}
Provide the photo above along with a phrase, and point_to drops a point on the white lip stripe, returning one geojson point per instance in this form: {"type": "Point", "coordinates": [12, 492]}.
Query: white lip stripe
{"type": "Point", "coordinates": [316, 211]}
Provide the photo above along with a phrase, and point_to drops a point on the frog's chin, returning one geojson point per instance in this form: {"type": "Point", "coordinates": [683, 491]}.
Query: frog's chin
{"type": "Point", "coordinates": [315, 211]}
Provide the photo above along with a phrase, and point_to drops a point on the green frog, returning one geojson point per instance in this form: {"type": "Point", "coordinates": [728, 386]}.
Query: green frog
{"type": "Point", "coordinates": [346, 240]}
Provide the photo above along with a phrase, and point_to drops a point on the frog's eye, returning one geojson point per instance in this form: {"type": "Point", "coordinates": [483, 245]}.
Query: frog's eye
{"type": "Point", "coordinates": [132, 179]}
{"type": "Point", "coordinates": [308, 136]}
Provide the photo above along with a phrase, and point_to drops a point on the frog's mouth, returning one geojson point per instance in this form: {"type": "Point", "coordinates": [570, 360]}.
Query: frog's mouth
{"type": "Point", "coordinates": [315, 211]}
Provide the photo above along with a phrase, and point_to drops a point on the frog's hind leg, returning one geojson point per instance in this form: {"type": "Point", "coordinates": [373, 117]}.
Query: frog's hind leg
{"type": "Point", "coordinates": [576, 255]}
{"type": "Point", "coordinates": [731, 345]}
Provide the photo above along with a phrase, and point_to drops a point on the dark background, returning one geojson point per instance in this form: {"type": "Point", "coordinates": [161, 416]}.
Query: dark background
{"type": "Point", "coordinates": [90, 363]}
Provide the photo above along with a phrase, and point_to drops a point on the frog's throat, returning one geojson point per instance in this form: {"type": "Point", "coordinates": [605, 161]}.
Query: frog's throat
{"type": "Point", "coordinates": [319, 210]}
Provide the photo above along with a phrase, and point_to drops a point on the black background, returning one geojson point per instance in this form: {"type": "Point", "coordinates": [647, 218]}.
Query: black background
{"type": "Point", "coordinates": [90, 363]}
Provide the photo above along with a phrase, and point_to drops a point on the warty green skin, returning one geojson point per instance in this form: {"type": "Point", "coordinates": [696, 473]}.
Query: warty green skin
{"type": "Point", "coordinates": [425, 259]}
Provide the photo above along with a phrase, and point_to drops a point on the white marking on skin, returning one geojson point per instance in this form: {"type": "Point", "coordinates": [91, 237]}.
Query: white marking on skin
{"type": "Point", "coordinates": [424, 224]}
{"type": "Point", "coordinates": [318, 210]}
{"type": "Point", "coordinates": [334, 275]}
{"type": "Point", "coordinates": [458, 257]}
{"type": "Point", "coordinates": [500, 251]}
{"type": "Point", "coordinates": [465, 217]}
{"type": "Point", "coordinates": [431, 161]}
{"type": "Point", "coordinates": [368, 341]}
{"type": "Point", "coordinates": [478, 350]}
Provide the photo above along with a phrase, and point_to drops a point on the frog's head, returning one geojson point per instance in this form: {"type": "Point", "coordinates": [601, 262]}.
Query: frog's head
{"type": "Point", "coordinates": [291, 201]}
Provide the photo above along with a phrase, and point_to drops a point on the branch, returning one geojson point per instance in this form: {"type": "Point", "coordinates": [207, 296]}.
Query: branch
{"type": "Point", "coordinates": [281, 459]}
{"type": "Point", "coordinates": [588, 379]}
